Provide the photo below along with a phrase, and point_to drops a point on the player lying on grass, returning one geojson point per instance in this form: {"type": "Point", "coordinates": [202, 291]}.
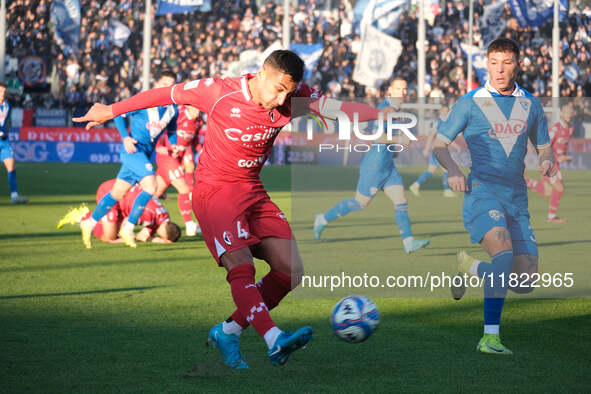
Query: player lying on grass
{"type": "Point", "coordinates": [138, 145]}
{"type": "Point", "coordinates": [155, 220]}
{"type": "Point", "coordinates": [238, 219]}
{"type": "Point", "coordinates": [378, 171]}
{"type": "Point", "coordinates": [497, 120]}
{"type": "Point", "coordinates": [174, 158]}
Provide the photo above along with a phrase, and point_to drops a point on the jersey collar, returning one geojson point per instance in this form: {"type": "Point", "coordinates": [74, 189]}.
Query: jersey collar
{"type": "Point", "coordinates": [244, 86]}
{"type": "Point", "coordinates": [517, 92]}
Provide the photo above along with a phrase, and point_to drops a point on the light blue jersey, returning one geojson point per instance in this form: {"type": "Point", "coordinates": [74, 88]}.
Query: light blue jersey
{"type": "Point", "coordinates": [5, 149]}
{"type": "Point", "coordinates": [146, 126]}
{"type": "Point", "coordinates": [377, 170]}
{"type": "Point", "coordinates": [496, 128]}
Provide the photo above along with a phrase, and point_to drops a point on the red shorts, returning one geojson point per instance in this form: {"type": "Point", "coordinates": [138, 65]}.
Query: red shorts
{"type": "Point", "coordinates": [169, 168]}
{"type": "Point", "coordinates": [237, 215]}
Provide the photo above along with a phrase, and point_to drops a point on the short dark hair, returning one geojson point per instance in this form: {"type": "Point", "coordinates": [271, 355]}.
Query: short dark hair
{"type": "Point", "coordinates": [503, 45]}
{"type": "Point", "coordinates": [287, 62]}
{"type": "Point", "coordinates": [3, 84]}
{"type": "Point", "coordinates": [173, 231]}
{"type": "Point", "coordinates": [166, 72]}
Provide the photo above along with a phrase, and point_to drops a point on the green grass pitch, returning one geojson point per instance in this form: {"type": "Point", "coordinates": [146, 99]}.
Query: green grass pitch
{"type": "Point", "coordinates": [114, 319]}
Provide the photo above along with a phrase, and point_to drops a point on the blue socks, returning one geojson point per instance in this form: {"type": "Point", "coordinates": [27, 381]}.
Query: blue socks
{"type": "Point", "coordinates": [444, 180]}
{"type": "Point", "coordinates": [402, 220]}
{"type": "Point", "coordinates": [342, 208]}
{"type": "Point", "coordinates": [104, 206]}
{"type": "Point", "coordinates": [12, 181]}
{"type": "Point", "coordinates": [495, 289]}
{"type": "Point", "coordinates": [138, 207]}
{"type": "Point", "coordinates": [424, 176]}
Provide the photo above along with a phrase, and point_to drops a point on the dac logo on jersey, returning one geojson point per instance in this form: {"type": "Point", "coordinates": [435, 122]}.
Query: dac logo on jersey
{"type": "Point", "coordinates": [496, 214]}
{"type": "Point", "coordinates": [65, 151]}
{"type": "Point", "coordinates": [235, 112]}
{"type": "Point", "coordinates": [510, 128]}
{"type": "Point", "coordinates": [228, 237]}
{"type": "Point", "coordinates": [149, 167]}
{"type": "Point", "coordinates": [155, 126]}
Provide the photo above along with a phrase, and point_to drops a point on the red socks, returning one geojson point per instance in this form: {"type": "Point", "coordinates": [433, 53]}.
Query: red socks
{"type": "Point", "coordinates": [273, 288]}
{"type": "Point", "coordinates": [184, 203]}
{"type": "Point", "coordinates": [189, 180]}
{"type": "Point", "coordinates": [248, 299]}
{"type": "Point", "coordinates": [554, 202]}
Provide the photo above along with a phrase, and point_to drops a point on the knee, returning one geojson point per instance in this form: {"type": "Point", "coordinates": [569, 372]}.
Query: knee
{"type": "Point", "coordinates": [361, 203]}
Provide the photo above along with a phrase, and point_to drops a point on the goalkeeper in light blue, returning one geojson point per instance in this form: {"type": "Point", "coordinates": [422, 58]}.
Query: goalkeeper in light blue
{"type": "Point", "coordinates": [497, 120]}
{"type": "Point", "coordinates": [377, 172]}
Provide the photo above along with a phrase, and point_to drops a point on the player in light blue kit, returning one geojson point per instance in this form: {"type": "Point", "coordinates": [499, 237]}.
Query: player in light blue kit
{"type": "Point", "coordinates": [146, 126]}
{"type": "Point", "coordinates": [6, 155]}
{"type": "Point", "coordinates": [377, 172]}
{"type": "Point", "coordinates": [497, 120]}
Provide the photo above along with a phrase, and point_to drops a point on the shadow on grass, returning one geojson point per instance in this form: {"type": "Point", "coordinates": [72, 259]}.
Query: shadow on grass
{"type": "Point", "coordinates": [103, 291]}
{"type": "Point", "coordinates": [53, 234]}
{"type": "Point", "coordinates": [429, 347]}
{"type": "Point", "coordinates": [90, 264]}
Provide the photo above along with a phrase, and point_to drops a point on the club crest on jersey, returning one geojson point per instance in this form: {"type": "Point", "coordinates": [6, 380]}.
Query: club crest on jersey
{"type": "Point", "coordinates": [496, 214]}
{"type": "Point", "coordinates": [524, 104]}
{"type": "Point", "coordinates": [228, 237]}
{"type": "Point", "coordinates": [510, 128]}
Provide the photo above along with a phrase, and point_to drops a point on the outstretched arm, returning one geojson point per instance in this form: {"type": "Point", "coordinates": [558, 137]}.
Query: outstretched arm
{"type": "Point", "coordinates": [100, 113]}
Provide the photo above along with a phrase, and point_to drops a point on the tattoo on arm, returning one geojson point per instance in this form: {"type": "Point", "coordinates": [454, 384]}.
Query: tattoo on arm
{"type": "Point", "coordinates": [503, 235]}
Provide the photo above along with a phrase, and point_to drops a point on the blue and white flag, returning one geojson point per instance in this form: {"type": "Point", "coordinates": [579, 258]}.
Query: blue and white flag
{"type": "Point", "coordinates": [310, 54]}
{"type": "Point", "coordinates": [478, 61]}
{"type": "Point", "coordinates": [118, 33]}
{"type": "Point", "coordinates": [492, 23]}
{"type": "Point", "coordinates": [377, 58]}
{"type": "Point", "coordinates": [65, 16]}
{"type": "Point", "coordinates": [182, 6]}
{"type": "Point", "coordinates": [536, 12]}
{"type": "Point", "coordinates": [384, 15]}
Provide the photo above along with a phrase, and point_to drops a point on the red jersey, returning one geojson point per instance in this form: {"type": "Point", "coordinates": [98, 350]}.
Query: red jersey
{"type": "Point", "coordinates": [187, 133]}
{"type": "Point", "coordinates": [559, 137]}
{"type": "Point", "coordinates": [240, 133]}
{"type": "Point", "coordinates": [154, 214]}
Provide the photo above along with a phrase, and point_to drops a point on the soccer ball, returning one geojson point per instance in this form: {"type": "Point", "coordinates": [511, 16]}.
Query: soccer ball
{"type": "Point", "coordinates": [354, 318]}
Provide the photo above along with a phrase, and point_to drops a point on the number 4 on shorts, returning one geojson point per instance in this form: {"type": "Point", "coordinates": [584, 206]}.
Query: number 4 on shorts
{"type": "Point", "coordinates": [242, 233]}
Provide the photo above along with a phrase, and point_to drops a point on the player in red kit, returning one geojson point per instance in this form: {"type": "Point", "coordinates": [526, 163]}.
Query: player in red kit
{"type": "Point", "coordinates": [172, 154]}
{"type": "Point", "coordinates": [553, 187]}
{"type": "Point", "coordinates": [155, 220]}
{"type": "Point", "coordinates": [237, 217]}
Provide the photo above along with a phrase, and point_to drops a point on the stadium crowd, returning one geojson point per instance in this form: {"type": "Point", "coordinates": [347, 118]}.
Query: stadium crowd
{"type": "Point", "coordinates": [199, 44]}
